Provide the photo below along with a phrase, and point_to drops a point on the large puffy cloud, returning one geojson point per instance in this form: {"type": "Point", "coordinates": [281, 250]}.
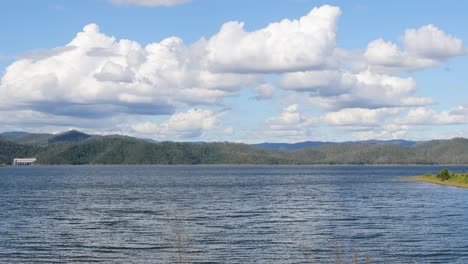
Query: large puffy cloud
{"type": "Point", "coordinates": [97, 72]}
{"type": "Point", "coordinates": [424, 47]}
{"type": "Point", "coordinates": [97, 75]}
{"type": "Point", "coordinates": [368, 82]}
{"type": "Point", "coordinates": [149, 2]}
{"type": "Point", "coordinates": [185, 125]}
{"type": "Point", "coordinates": [288, 45]}
{"type": "Point", "coordinates": [338, 89]}
{"type": "Point", "coordinates": [431, 42]}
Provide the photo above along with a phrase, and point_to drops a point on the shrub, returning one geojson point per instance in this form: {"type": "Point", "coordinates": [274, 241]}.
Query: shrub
{"type": "Point", "coordinates": [444, 175]}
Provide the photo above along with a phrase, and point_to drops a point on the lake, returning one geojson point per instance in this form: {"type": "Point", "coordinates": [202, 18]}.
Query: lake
{"type": "Point", "coordinates": [229, 214]}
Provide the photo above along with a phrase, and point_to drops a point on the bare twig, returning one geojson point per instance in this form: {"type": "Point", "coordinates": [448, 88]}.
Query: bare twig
{"type": "Point", "coordinates": [338, 253]}
{"type": "Point", "coordinates": [180, 238]}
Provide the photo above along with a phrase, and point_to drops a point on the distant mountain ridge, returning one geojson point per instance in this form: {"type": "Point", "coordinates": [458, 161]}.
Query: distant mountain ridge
{"type": "Point", "coordinates": [42, 139]}
{"type": "Point", "coordinates": [74, 147]}
{"type": "Point", "coordinates": [308, 144]}
{"type": "Point", "coordinates": [14, 134]}
{"type": "Point", "coordinates": [291, 146]}
{"type": "Point", "coordinates": [76, 136]}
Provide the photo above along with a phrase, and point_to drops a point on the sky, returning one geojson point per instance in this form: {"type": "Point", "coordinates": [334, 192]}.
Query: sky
{"type": "Point", "coordinates": [241, 71]}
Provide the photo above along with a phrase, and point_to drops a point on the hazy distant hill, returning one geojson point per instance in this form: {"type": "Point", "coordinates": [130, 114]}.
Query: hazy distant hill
{"type": "Point", "coordinates": [75, 147]}
{"type": "Point", "coordinates": [401, 142]}
{"type": "Point", "coordinates": [308, 144]}
{"type": "Point", "coordinates": [42, 139]}
{"type": "Point", "coordinates": [13, 134]}
{"type": "Point", "coordinates": [291, 146]}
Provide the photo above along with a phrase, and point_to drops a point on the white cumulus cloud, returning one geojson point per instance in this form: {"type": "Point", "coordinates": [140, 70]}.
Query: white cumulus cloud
{"type": "Point", "coordinates": [287, 45]}
{"type": "Point", "coordinates": [290, 125]}
{"type": "Point", "coordinates": [429, 41]}
{"type": "Point", "coordinates": [338, 90]}
{"type": "Point", "coordinates": [429, 117]}
{"type": "Point", "coordinates": [184, 125]}
{"type": "Point", "coordinates": [360, 116]}
{"type": "Point", "coordinates": [424, 47]}
{"type": "Point", "coordinates": [387, 132]}
{"type": "Point", "coordinates": [99, 75]}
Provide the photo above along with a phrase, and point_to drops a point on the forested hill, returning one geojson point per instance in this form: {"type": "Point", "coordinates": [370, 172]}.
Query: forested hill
{"type": "Point", "coordinates": [78, 148]}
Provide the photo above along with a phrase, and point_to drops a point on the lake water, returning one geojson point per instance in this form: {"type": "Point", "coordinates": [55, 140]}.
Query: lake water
{"type": "Point", "coordinates": [229, 214]}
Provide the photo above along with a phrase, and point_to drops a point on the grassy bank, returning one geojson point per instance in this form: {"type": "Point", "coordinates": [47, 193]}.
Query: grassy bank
{"type": "Point", "coordinates": [445, 177]}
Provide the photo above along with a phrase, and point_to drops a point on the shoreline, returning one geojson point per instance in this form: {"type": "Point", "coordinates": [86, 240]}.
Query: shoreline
{"type": "Point", "coordinates": [433, 180]}
{"type": "Point", "coordinates": [255, 165]}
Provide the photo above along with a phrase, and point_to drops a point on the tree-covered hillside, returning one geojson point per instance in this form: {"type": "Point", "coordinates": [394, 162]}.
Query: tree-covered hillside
{"type": "Point", "coordinates": [10, 150]}
{"type": "Point", "coordinates": [75, 148]}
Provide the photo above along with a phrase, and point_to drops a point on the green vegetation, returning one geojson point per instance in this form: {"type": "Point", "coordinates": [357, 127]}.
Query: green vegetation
{"type": "Point", "coordinates": [444, 177]}
{"type": "Point", "coordinates": [70, 136]}
{"type": "Point", "coordinates": [78, 148]}
{"type": "Point", "coordinates": [10, 150]}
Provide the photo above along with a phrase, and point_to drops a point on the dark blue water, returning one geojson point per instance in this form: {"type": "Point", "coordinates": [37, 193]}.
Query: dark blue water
{"type": "Point", "coordinates": [229, 214]}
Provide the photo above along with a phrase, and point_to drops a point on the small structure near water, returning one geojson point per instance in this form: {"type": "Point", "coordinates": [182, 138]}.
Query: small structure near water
{"type": "Point", "coordinates": [23, 161]}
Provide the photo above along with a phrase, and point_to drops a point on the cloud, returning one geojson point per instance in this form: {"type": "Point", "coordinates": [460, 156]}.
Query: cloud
{"type": "Point", "coordinates": [386, 132]}
{"type": "Point", "coordinates": [39, 54]}
{"type": "Point", "coordinates": [342, 89]}
{"type": "Point", "coordinates": [111, 76]}
{"type": "Point", "coordinates": [319, 83]}
{"type": "Point", "coordinates": [149, 2]}
{"type": "Point", "coordinates": [424, 47]}
{"type": "Point", "coordinates": [411, 124]}
{"type": "Point", "coordinates": [229, 131]}
{"type": "Point", "coordinates": [288, 45]}
{"type": "Point", "coordinates": [34, 121]}
{"type": "Point", "coordinates": [431, 42]}
{"type": "Point", "coordinates": [428, 117]}
{"type": "Point", "coordinates": [185, 125]}
{"type": "Point", "coordinates": [264, 91]}
{"type": "Point", "coordinates": [360, 116]}
{"type": "Point", "coordinates": [288, 126]}
{"type": "Point", "coordinates": [107, 76]}
{"type": "Point", "coordinates": [113, 72]}
{"type": "Point", "coordinates": [367, 82]}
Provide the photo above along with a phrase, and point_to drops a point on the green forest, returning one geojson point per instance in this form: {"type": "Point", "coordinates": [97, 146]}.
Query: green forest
{"type": "Point", "coordinates": [78, 148]}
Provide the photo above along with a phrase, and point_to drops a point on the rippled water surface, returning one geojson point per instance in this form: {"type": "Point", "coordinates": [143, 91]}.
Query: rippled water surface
{"type": "Point", "coordinates": [228, 214]}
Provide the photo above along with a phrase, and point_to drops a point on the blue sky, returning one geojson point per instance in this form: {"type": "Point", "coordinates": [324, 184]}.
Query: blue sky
{"type": "Point", "coordinates": [235, 70]}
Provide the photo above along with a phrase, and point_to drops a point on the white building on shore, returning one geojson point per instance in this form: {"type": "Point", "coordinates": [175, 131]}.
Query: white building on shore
{"type": "Point", "coordinates": [23, 161]}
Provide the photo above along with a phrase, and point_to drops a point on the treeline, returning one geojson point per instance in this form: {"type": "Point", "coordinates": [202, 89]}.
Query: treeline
{"type": "Point", "coordinates": [128, 150]}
